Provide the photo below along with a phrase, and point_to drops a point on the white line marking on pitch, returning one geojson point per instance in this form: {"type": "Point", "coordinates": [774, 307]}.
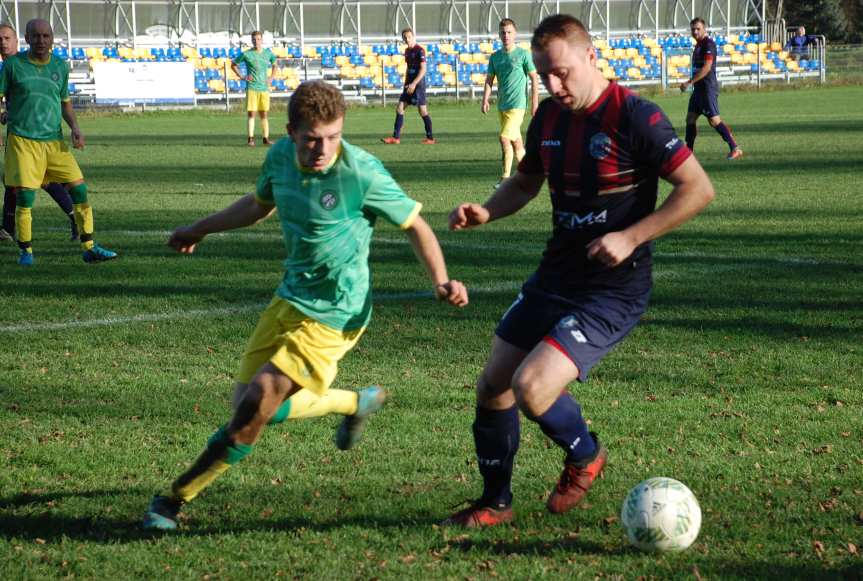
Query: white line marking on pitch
{"type": "Point", "coordinates": [507, 286]}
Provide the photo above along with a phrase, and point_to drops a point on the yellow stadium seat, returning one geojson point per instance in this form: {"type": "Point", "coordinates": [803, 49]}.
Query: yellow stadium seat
{"type": "Point", "coordinates": [792, 65]}
{"type": "Point", "coordinates": [398, 59]}
{"type": "Point", "coordinates": [600, 43]}
{"type": "Point", "coordinates": [601, 64]}
{"type": "Point", "coordinates": [751, 47]}
{"type": "Point", "coordinates": [608, 73]}
{"type": "Point", "coordinates": [280, 51]}
{"type": "Point", "coordinates": [449, 79]}
{"type": "Point", "coordinates": [776, 46]}
{"type": "Point", "coordinates": [783, 55]}
{"type": "Point", "coordinates": [737, 59]}
{"type": "Point", "coordinates": [619, 53]}
{"type": "Point", "coordinates": [309, 51]}
{"type": "Point", "coordinates": [524, 44]}
{"type": "Point", "coordinates": [366, 50]}
{"type": "Point", "coordinates": [370, 59]}
{"type": "Point", "coordinates": [342, 60]}
{"type": "Point", "coordinates": [631, 52]}
{"type": "Point", "coordinates": [444, 68]}
{"type": "Point", "coordinates": [633, 72]}
{"type": "Point", "coordinates": [750, 58]}
{"type": "Point", "coordinates": [402, 68]}
{"type": "Point", "coordinates": [656, 51]}
{"type": "Point", "coordinates": [188, 52]}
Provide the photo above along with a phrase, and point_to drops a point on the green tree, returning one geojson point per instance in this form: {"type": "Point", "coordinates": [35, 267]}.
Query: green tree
{"type": "Point", "coordinates": [825, 17]}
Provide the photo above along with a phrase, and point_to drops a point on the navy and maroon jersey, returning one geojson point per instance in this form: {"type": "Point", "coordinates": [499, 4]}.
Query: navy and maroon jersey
{"type": "Point", "coordinates": [603, 167]}
{"type": "Point", "coordinates": [414, 57]}
{"type": "Point", "coordinates": [704, 52]}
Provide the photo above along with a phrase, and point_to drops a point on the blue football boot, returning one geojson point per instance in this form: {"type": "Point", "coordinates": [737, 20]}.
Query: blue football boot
{"type": "Point", "coordinates": [98, 254]}
{"type": "Point", "coordinates": [370, 400]}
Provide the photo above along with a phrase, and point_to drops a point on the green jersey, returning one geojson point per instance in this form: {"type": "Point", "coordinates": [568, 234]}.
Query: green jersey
{"type": "Point", "coordinates": [258, 64]}
{"type": "Point", "coordinates": [327, 219]}
{"type": "Point", "coordinates": [511, 69]}
{"type": "Point", "coordinates": [33, 93]}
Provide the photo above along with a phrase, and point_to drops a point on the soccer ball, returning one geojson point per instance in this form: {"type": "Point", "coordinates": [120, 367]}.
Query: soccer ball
{"type": "Point", "coordinates": [661, 514]}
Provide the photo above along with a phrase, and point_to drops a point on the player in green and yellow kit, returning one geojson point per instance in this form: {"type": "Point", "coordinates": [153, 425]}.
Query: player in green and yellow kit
{"type": "Point", "coordinates": [328, 195]}
{"type": "Point", "coordinates": [512, 66]}
{"type": "Point", "coordinates": [36, 85]}
{"type": "Point", "coordinates": [260, 65]}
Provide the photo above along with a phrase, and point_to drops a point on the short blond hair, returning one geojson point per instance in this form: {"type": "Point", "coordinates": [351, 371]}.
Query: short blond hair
{"type": "Point", "coordinates": [315, 102]}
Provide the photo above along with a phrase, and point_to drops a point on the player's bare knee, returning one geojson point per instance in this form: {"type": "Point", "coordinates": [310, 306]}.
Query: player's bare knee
{"type": "Point", "coordinates": [714, 121]}
{"type": "Point", "coordinates": [533, 392]}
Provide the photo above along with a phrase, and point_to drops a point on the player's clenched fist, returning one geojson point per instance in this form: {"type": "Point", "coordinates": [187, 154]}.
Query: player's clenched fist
{"type": "Point", "coordinates": [453, 292]}
{"type": "Point", "coordinates": [184, 240]}
{"type": "Point", "coordinates": [468, 215]}
{"type": "Point", "coordinates": [610, 249]}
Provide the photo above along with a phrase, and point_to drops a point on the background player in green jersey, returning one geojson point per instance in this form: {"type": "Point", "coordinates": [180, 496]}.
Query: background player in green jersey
{"type": "Point", "coordinates": [512, 66]}
{"type": "Point", "coordinates": [260, 66]}
{"type": "Point", "coordinates": [36, 87]}
{"type": "Point", "coordinates": [328, 195]}
{"type": "Point", "coordinates": [9, 47]}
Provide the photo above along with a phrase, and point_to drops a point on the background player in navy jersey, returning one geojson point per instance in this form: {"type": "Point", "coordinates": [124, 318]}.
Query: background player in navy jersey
{"type": "Point", "coordinates": [414, 92]}
{"type": "Point", "coordinates": [601, 148]}
{"type": "Point", "coordinates": [8, 47]}
{"type": "Point", "coordinates": [705, 94]}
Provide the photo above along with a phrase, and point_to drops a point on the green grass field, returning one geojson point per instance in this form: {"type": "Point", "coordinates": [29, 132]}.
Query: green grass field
{"type": "Point", "coordinates": [743, 381]}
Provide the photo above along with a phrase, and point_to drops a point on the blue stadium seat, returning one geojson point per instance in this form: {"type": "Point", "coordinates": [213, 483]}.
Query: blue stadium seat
{"type": "Point", "coordinates": [78, 54]}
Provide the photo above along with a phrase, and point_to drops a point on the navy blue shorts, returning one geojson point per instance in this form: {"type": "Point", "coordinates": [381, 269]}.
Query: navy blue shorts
{"type": "Point", "coordinates": [704, 103]}
{"type": "Point", "coordinates": [417, 98]}
{"type": "Point", "coordinates": [584, 328]}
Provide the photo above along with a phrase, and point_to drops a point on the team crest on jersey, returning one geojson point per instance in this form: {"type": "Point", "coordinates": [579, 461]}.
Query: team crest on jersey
{"type": "Point", "coordinates": [55, 77]}
{"type": "Point", "coordinates": [600, 146]}
{"type": "Point", "coordinates": [329, 200]}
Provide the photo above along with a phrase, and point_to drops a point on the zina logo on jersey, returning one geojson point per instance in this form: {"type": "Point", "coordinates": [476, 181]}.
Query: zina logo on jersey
{"type": "Point", "coordinates": [573, 221]}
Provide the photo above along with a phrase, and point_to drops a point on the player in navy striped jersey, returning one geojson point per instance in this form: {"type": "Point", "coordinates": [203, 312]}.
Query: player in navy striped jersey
{"type": "Point", "coordinates": [414, 92]}
{"type": "Point", "coordinates": [705, 90]}
{"type": "Point", "coordinates": [601, 149]}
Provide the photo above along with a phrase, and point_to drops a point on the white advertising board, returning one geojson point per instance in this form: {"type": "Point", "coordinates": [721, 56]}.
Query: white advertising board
{"type": "Point", "coordinates": [143, 82]}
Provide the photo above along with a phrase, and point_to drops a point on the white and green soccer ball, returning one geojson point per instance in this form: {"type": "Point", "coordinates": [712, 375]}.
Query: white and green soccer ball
{"type": "Point", "coordinates": [661, 514]}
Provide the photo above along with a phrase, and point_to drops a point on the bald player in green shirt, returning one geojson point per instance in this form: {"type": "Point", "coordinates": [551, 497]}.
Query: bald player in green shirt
{"type": "Point", "coordinates": [328, 195]}
{"type": "Point", "coordinates": [512, 66]}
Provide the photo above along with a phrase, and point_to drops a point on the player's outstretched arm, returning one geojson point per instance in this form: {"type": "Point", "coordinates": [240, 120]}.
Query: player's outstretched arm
{"type": "Point", "coordinates": [244, 212]}
{"type": "Point", "coordinates": [692, 193]}
{"type": "Point", "coordinates": [511, 196]}
{"type": "Point", "coordinates": [428, 252]}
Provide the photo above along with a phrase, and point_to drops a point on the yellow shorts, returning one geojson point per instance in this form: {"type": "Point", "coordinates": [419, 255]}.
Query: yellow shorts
{"type": "Point", "coordinates": [257, 100]}
{"type": "Point", "coordinates": [303, 349]}
{"type": "Point", "coordinates": [510, 123]}
{"type": "Point", "coordinates": [31, 163]}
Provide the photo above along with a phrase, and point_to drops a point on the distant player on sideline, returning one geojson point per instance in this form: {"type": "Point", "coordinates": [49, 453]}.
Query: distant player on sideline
{"type": "Point", "coordinates": [36, 87]}
{"type": "Point", "coordinates": [8, 47]}
{"type": "Point", "coordinates": [705, 93]}
{"type": "Point", "coordinates": [260, 66]}
{"type": "Point", "coordinates": [328, 194]}
{"type": "Point", "coordinates": [512, 66]}
{"type": "Point", "coordinates": [414, 92]}
{"type": "Point", "coordinates": [601, 149]}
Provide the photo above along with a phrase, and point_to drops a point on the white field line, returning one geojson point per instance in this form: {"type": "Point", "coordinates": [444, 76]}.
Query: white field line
{"type": "Point", "coordinates": [515, 246]}
{"type": "Point", "coordinates": [506, 286]}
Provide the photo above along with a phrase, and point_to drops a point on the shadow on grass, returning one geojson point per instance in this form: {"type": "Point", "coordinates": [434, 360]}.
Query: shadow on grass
{"type": "Point", "coordinates": [108, 529]}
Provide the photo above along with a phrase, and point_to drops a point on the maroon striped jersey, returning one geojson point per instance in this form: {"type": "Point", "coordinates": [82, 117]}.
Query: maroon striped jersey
{"type": "Point", "coordinates": [602, 166]}
{"type": "Point", "coordinates": [414, 57]}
